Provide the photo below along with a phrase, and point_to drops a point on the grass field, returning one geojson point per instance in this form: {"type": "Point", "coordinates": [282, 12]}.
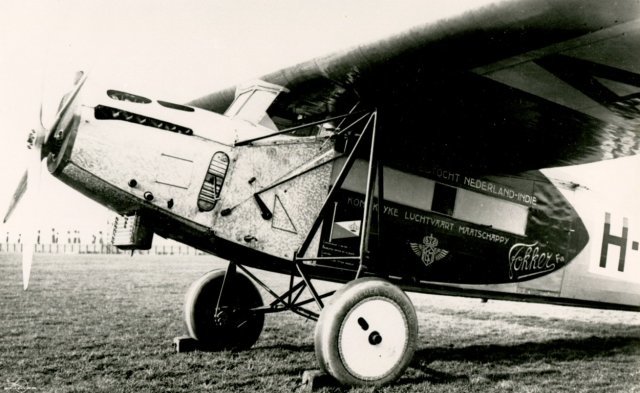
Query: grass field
{"type": "Point", "coordinates": [106, 324]}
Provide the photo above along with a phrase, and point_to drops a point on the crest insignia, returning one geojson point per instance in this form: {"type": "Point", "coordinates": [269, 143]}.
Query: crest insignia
{"type": "Point", "coordinates": [428, 251]}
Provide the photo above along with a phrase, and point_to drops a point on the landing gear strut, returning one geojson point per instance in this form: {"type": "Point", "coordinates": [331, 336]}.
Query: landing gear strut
{"type": "Point", "coordinates": [365, 336]}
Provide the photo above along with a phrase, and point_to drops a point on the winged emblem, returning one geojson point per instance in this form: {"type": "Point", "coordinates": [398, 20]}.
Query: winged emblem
{"type": "Point", "coordinates": [428, 251]}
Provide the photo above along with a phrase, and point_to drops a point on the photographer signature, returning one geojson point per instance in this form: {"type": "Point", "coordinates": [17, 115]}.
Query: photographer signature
{"type": "Point", "coordinates": [19, 385]}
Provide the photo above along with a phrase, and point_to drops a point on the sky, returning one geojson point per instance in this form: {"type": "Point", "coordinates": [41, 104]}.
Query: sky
{"type": "Point", "coordinates": [174, 50]}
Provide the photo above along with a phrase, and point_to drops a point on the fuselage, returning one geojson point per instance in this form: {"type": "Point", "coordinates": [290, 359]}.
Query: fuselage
{"type": "Point", "coordinates": [559, 235]}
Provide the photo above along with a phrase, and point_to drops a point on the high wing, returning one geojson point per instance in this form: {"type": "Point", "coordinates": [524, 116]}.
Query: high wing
{"type": "Point", "coordinates": [506, 87]}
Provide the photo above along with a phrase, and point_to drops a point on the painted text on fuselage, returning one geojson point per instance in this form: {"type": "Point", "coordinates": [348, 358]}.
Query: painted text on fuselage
{"type": "Point", "coordinates": [526, 260]}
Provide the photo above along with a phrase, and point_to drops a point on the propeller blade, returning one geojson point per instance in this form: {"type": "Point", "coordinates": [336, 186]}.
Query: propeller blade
{"type": "Point", "coordinates": [37, 143]}
{"type": "Point", "coordinates": [30, 182]}
{"type": "Point", "coordinates": [17, 195]}
{"type": "Point", "coordinates": [27, 256]}
{"type": "Point", "coordinates": [32, 215]}
{"type": "Point", "coordinates": [40, 118]}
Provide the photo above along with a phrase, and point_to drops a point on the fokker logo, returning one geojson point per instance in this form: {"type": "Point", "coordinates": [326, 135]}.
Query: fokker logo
{"type": "Point", "coordinates": [428, 251]}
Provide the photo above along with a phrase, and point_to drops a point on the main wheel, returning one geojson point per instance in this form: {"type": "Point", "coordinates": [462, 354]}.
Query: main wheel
{"type": "Point", "coordinates": [234, 325]}
{"type": "Point", "coordinates": [367, 334]}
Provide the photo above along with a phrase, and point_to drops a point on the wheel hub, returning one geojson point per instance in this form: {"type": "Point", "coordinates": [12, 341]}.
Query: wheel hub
{"type": "Point", "coordinates": [364, 351]}
{"type": "Point", "coordinates": [375, 338]}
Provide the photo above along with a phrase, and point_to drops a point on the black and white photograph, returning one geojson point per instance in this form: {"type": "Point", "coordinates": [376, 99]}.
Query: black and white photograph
{"type": "Point", "coordinates": [334, 196]}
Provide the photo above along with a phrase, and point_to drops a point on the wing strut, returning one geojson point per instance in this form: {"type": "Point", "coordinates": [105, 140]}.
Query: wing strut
{"type": "Point", "coordinates": [290, 300]}
{"type": "Point", "coordinates": [366, 256]}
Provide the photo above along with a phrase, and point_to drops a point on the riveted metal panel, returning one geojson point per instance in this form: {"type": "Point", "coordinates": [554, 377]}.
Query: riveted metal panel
{"type": "Point", "coordinates": [294, 204]}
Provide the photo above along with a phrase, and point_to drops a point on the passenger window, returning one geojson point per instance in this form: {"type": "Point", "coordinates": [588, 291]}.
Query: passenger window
{"type": "Point", "coordinates": [491, 211]}
{"type": "Point", "coordinates": [444, 199]}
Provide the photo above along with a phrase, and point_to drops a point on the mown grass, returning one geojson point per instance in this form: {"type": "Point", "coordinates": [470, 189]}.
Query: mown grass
{"type": "Point", "coordinates": [106, 323]}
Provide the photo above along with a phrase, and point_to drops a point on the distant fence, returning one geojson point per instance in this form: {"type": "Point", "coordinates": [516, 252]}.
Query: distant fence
{"type": "Point", "coordinates": [77, 248]}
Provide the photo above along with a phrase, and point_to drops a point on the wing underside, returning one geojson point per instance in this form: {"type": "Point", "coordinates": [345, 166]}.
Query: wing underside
{"type": "Point", "coordinates": [515, 84]}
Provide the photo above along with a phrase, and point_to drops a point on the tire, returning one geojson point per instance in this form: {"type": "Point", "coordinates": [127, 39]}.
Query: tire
{"type": "Point", "coordinates": [367, 334]}
{"type": "Point", "coordinates": [236, 327]}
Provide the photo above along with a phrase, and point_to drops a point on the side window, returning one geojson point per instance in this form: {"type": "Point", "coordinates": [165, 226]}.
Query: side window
{"type": "Point", "coordinates": [486, 210]}
{"type": "Point", "coordinates": [444, 199]}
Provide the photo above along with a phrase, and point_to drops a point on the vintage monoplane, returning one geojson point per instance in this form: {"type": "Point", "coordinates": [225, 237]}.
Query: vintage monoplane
{"type": "Point", "coordinates": [492, 154]}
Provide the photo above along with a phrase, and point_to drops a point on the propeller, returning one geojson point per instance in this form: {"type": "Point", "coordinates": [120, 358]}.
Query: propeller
{"type": "Point", "coordinates": [38, 143]}
{"type": "Point", "coordinates": [30, 181]}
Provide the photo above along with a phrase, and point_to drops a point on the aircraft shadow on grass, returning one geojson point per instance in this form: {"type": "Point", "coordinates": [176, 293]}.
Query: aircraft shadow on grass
{"type": "Point", "coordinates": [520, 354]}
{"type": "Point", "coordinates": [509, 355]}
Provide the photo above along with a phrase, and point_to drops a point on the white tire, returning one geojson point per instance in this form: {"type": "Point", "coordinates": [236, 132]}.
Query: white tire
{"type": "Point", "coordinates": [367, 334]}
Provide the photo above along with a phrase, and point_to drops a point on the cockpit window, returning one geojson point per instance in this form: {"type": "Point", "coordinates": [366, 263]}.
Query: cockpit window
{"type": "Point", "coordinates": [263, 104]}
{"type": "Point", "coordinates": [238, 103]}
{"type": "Point", "coordinates": [252, 105]}
{"type": "Point", "coordinates": [313, 100]}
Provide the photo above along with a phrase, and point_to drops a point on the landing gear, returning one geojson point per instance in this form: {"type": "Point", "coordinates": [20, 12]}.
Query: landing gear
{"type": "Point", "coordinates": [221, 318]}
{"type": "Point", "coordinates": [367, 334]}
